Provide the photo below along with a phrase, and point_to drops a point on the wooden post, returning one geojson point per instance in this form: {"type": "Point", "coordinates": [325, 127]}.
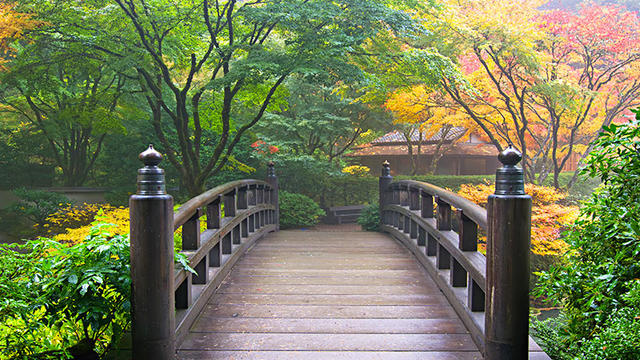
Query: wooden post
{"type": "Point", "coordinates": [153, 299]}
{"type": "Point", "coordinates": [385, 194]}
{"type": "Point", "coordinates": [272, 180]}
{"type": "Point", "coordinates": [509, 237]}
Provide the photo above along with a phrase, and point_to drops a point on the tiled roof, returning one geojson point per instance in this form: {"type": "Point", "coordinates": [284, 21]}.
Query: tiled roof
{"type": "Point", "coordinates": [395, 137]}
{"type": "Point", "coordinates": [470, 149]}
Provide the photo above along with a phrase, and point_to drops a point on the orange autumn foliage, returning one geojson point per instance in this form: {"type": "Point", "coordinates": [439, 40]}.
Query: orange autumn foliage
{"type": "Point", "coordinates": [548, 216]}
{"type": "Point", "coordinates": [12, 26]}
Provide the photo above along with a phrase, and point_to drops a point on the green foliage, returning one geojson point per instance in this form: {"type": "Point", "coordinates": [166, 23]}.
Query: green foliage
{"type": "Point", "coordinates": [37, 205]}
{"type": "Point", "coordinates": [297, 210]}
{"type": "Point", "coordinates": [60, 300]}
{"type": "Point", "coordinates": [598, 286]}
{"type": "Point", "coordinates": [370, 218]}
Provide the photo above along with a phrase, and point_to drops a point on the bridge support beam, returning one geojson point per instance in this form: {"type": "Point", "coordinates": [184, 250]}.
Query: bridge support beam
{"type": "Point", "coordinates": [509, 238]}
{"type": "Point", "coordinates": [153, 298]}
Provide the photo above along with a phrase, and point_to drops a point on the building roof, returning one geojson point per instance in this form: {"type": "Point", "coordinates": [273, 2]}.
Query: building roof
{"type": "Point", "coordinates": [469, 149]}
{"type": "Point", "coordinates": [396, 137]}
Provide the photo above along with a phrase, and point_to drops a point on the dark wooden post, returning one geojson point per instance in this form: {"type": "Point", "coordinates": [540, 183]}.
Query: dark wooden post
{"type": "Point", "coordinates": [509, 237]}
{"type": "Point", "coordinates": [385, 193]}
{"type": "Point", "coordinates": [272, 180]}
{"type": "Point", "coordinates": [153, 304]}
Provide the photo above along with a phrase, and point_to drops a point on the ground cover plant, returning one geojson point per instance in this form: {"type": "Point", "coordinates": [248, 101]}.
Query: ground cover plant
{"type": "Point", "coordinates": [598, 285]}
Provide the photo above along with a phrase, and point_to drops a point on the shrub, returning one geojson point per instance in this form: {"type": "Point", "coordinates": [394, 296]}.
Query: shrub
{"type": "Point", "coordinates": [297, 210]}
{"type": "Point", "coordinates": [598, 286]}
{"type": "Point", "coordinates": [64, 300]}
{"type": "Point", "coordinates": [370, 218]}
{"type": "Point", "coordinates": [37, 205]}
{"type": "Point", "coordinates": [548, 219]}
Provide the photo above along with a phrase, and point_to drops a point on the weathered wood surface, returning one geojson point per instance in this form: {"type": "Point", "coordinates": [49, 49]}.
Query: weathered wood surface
{"type": "Point", "coordinates": [328, 295]}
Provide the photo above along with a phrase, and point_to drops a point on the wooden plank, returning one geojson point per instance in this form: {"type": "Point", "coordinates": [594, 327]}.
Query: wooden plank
{"type": "Point", "coordinates": [329, 299]}
{"type": "Point", "coordinates": [347, 273]}
{"type": "Point", "coordinates": [328, 280]}
{"type": "Point", "coordinates": [331, 326]}
{"type": "Point", "coordinates": [329, 342]}
{"type": "Point", "coordinates": [296, 289]}
{"type": "Point", "coordinates": [213, 311]}
{"type": "Point", "coordinates": [324, 355]}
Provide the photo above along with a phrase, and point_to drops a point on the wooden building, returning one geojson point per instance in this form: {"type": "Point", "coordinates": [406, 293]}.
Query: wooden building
{"type": "Point", "coordinates": [471, 157]}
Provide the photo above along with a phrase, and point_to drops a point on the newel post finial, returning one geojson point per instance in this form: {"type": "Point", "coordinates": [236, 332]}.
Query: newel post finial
{"type": "Point", "coordinates": [508, 242]}
{"type": "Point", "coordinates": [271, 171]}
{"type": "Point", "coordinates": [509, 178]}
{"type": "Point", "coordinates": [151, 177]}
{"type": "Point", "coordinates": [151, 237]}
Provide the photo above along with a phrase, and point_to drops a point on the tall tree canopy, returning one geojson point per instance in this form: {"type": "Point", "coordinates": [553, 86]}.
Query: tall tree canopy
{"type": "Point", "coordinates": [216, 65]}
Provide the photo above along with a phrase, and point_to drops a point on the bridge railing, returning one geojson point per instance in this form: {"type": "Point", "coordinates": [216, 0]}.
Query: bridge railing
{"type": "Point", "coordinates": [490, 294]}
{"type": "Point", "coordinates": [167, 299]}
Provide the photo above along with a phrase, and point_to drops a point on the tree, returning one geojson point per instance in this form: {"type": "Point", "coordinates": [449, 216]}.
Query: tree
{"type": "Point", "coordinates": [591, 78]}
{"type": "Point", "coordinates": [319, 119]}
{"type": "Point", "coordinates": [12, 26]}
{"type": "Point", "coordinates": [425, 111]}
{"type": "Point", "coordinates": [67, 96]}
{"type": "Point", "coordinates": [218, 65]}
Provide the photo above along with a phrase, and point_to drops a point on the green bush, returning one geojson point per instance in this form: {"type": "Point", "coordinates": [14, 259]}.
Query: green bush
{"type": "Point", "coordinates": [297, 210]}
{"type": "Point", "coordinates": [598, 284]}
{"type": "Point", "coordinates": [36, 205]}
{"type": "Point", "coordinates": [370, 218]}
{"type": "Point", "coordinates": [60, 301]}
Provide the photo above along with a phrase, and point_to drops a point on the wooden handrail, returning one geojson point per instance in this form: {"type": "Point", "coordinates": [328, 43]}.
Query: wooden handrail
{"type": "Point", "coordinates": [490, 295]}
{"type": "Point", "coordinates": [420, 215]}
{"type": "Point", "coordinates": [165, 298]}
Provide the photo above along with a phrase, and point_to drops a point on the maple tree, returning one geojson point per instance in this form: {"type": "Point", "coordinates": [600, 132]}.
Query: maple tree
{"type": "Point", "coordinates": [543, 81]}
{"type": "Point", "coordinates": [422, 110]}
{"type": "Point", "coordinates": [12, 26]}
{"type": "Point", "coordinates": [548, 219]}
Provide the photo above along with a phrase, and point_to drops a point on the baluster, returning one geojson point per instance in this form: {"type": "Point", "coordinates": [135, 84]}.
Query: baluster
{"type": "Point", "coordinates": [253, 197]}
{"type": "Point", "coordinates": [242, 198]}
{"type": "Point", "coordinates": [443, 258]}
{"type": "Point", "coordinates": [252, 224]}
{"type": "Point", "coordinates": [226, 244]}
{"type": "Point", "coordinates": [467, 233]}
{"type": "Point", "coordinates": [395, 199]}
{"type": "Point", "coordinates": [213, 214]}
{"type": "Point", "coordinates": [475, 296]}
{"type": "Point", "coordinates": [422, 236]}
{"type": "Point", "coordinates": [414, 203]}
{"type": "Point", "coordinates": [230, 203]}
{"type": "Point", "coordinates": [432, 245]}
{"type": "Point", "coordinates": [444, 215]}
{"type": "Point", "coordinates": [404, 195]}
{"type": "Point", "coordinates": [458, 275]}
{"type": "Point", "coordinates": [245, 228]}
{"type": "Point", "coordinates": [407, 224]}
{"type": "Point", "coordinates": [214, 255]}
{"type": "Point", "coordinates": [261, 218]}
{"type": "Point", "coordinates": [202, 272]}
{"type": "Point", "coordinates": [236, 235]}
{"type": "Point", "coordinates": [414, 229]}
{"type": "Point", "coordinates": [427, 205]}
{"type": "Point", "coordinates": [261, 194]}
{"type": "Point", "coordinates": [183, 294]}
{"type": "Point", "coordinates": [191, 232]}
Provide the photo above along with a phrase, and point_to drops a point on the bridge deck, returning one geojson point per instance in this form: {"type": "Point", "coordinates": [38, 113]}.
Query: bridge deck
{"type": "Point", "coordinates": [328, 295]}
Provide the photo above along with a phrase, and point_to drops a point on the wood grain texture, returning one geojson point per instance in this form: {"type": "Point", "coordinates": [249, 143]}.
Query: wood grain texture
{"type": "Point", "coordinates": [329, 294]}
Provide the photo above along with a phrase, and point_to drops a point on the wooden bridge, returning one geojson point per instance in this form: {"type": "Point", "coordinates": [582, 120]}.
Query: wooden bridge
{"type": "Point", "coordinates": [416, 291]}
